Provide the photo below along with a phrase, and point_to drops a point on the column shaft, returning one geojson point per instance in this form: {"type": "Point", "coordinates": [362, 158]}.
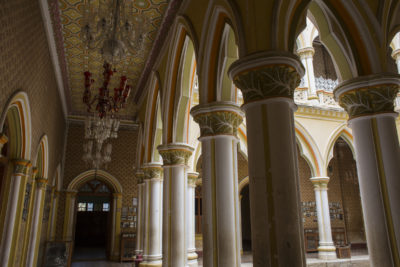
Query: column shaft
{"type": "Point", "coordinates": [267, 81]}
{"type": "Point", "coordinates": [153, 222]}
{"type": "Point", "coordinates": [326, 249]}
{"type": "Point", "coordinates": [139, 231]}
{"type": "Point", "coordinates": [190, 220]}
{"type": "Point", "coordinates": [221, 234]}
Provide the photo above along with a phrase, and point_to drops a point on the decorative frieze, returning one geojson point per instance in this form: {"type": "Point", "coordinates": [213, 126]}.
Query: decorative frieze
{"type": "Point", "coordinates": [152, 172]}
{"type": "Point", "coordinates": [218, 118]}
{"type": "Point", "coordinates": [21, 166]}
{"type": "Point", "coordinates": [175, 154]}
{"type": "Point", "coordinates": [320, 183]}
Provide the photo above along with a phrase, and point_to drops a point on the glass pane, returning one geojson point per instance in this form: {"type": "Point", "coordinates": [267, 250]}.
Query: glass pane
{"type": "Point", "coordinates": [81, 206]}
{"type": "Point", "coordinates": [106, 206]}
{"type": "Point", "coordinates": [89, 206]}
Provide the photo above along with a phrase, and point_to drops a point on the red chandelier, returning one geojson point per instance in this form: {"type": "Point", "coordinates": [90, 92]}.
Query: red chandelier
{"type": "Point", "coordinates": [105, 103]}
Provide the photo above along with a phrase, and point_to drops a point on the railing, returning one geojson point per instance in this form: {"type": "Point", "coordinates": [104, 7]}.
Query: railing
{"type": "Point", "coordinates": [325, 84]}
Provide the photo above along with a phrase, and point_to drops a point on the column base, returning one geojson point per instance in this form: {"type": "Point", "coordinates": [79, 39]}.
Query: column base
{"type": "Point", "coordinates": [192, 259]}
{"type": "Point", "coordinates": [150, 264]}
{"type": "Point", "coordinates": [327, 252]}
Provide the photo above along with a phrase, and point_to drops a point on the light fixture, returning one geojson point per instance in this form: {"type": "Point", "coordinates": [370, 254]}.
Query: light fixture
{"type": "Point", "coordinates": [115, 27]}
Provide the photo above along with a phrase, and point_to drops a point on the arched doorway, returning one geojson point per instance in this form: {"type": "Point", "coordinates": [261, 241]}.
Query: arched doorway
{"type": "Point", "coordinates": [93, 221]}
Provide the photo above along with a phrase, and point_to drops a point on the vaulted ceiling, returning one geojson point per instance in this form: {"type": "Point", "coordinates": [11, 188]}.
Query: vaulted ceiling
{"type": "Point", "coordinates": [75, 58]}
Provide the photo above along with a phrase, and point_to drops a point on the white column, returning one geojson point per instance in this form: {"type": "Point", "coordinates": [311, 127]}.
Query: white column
{"type": "Point", "coordinates": [369, 102]}
{"type": "Point", "coordinates": [221, 234]}
{"type": "Point", "coordinates": [153, 222]}
{"type": "Point", "coordinates": [326, 249]}
{"type": "Point", "coordinates": [268, 81]}
{"type": "Point", "coordinates": [36, 221]}
{"type": "Point", "coordinates": [18, 177]}
{"type": "Point", "coordinates": [306, 55]}
{"type": "Point", "coordinates": [190, 219]}
{"type": "Point", "coordinates": [175, 157]}
{"type": "Point", "coordinates": [139, 212]}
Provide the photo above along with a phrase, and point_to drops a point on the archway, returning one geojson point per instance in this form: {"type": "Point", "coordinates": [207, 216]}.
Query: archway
{"type": "Point", "coordinates": [93, 221]}
{"type": "Point", "coordinates": [94, 186]}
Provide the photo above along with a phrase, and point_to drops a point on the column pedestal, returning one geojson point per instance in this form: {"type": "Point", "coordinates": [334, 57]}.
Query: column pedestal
{"type": "Point", "coordinates": [221, 234]}
{"type": "Point", "coordinates": [153, 221]}
{"type": "Point", "coordinates": [175, 157]}
{"type": "Point", "coordinates": [326, 248]}
{"type": "Point", "coordinates": [369, 102]}
{"type": "Point", "coordinates": [267, 81]}
{"type": "Point", "coordinates": [190, 219]}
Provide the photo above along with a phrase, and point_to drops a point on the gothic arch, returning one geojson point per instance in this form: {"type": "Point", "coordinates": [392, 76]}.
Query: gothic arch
{"type": "Point", "coordinates": [18, 114]}
{"type": "Point", "coordinates": [104, 176]}
{"type": "Point", "coordinates": [344, 132]}
{"type": "Point", "coordinates": [41, 161]}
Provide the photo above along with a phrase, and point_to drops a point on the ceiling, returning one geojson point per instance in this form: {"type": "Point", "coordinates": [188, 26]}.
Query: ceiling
{"type": "Point", "coordinates": [74, 58]}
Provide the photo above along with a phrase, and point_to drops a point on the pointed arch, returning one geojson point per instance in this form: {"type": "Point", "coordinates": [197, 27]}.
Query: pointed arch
{"type": "Point", "coordinates": [41, 162]}
{"type": "Point", "coordinates": [341, 131]}
{"type": "Point", "coordinates": [18, 114]}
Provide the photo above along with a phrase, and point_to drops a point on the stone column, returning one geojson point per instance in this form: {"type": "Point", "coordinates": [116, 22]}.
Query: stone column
{"type": "Point", "coordinates": [306, 55]}
{"type": "Point", "coordinates": [153, 222]}
{"type": "Point", "coordinates": [14, 210]}
{"type": "Point", "coordinates": [221, 234]}
{"type": "Point", "coordinates": [268, 81]}
{"type": "Point", "coordinates": [53, 219]}
{"type": "Point", "coordinates": [190, 219]}
{"type": "Point", "coordinates": [37, 219]}
{"type": "Point", "coordinates": [175, 157]}
{"type": "Point", "coordinates": [70, 203]}
{"type": "Point", "coordinates": [116, 226]}
{"type": "Point", "coordinates": [140, 221]}
{"type": "Point", "coordinates": [326, 249]}
{"type": "Point", "coordinates": [369, 102]}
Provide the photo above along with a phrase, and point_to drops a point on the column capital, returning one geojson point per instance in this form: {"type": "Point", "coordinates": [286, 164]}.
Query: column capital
{"type": "Point", "coordinates": [71, 193]}
{"type": "Point", "coordinates": [140, 176]}
{"type": "Point", "coordinates": [152, 171]}
{"type": "Point", "coordinates": [267, 75]}
{"type": "Point", "coordinates": [192, 178]}
{"type": "Point", "coordinates": [175, 153]}
{"type": "Point", "coordinates": [41, 182]}
{"type": "Point", "coordinates": [320, 182]}
{"type": "Point", "coordinates": [306, 52]}
{"type": "Point", "coordinates": [218, 118]}
{"type": "Point", "coordinates": [368, 95]}
{"type": "Point", "coordinates": [21, 166]}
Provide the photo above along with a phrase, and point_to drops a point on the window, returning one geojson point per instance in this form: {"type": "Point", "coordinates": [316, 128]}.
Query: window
{"type": "Point", "coordinates": [81, 206]}
{"type": "Point", "coordinates": [89, 206]}
{"type": "Point", "coordinates": [106, 206]}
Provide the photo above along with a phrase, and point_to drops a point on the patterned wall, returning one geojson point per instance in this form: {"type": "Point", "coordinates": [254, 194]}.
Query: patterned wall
{"type": "Point", "coordinates": [121, 166]}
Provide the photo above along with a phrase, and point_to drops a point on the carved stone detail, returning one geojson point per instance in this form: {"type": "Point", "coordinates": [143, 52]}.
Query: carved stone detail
{"type": "Point", "coordinates": [139, 176]}
{"type": "Point", "coordinates": [152, 172]}
{"type": "Point", "coordinates": [218, 123]}
{"type": "Point", "coordinates": [21, 166]}
{"type": "Point", "coordinates": [267, 82]}
{"type": "Point", "coordinates": [368, 101]}
{"type": "Point", "coordinates": [41, 182]}
{"type": "Point", "coordinates": [192, 178]}
{"type": "Point", "coordinates": [175, 154]}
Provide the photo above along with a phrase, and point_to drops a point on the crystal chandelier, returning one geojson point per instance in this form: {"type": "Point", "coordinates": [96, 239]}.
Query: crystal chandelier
{"type": "Point", "coordinates": [114, 27]}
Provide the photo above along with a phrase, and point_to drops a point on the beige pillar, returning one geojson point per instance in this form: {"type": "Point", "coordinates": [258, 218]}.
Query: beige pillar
{"type": "Point", "coordinates": [190, 219]}
{"type": "Point", "coordinates": [140, 221]}
{"type": "Point", "coordinates": [326, 249]}
{"type": "Point", "coordinates": [267, 81]}
{"type": "Point", "coordinates": [369, 102]}
{"type": "Point", "coordinates": [13, 215]}
{"type": "Point", "coordinates": [306, 56]}
{"type": "Point", "coordinates": [221, 233]}
{"type": "Point", "coordinates": [153, 222]}
{"type": "Point", "coordinates": [175, 160]}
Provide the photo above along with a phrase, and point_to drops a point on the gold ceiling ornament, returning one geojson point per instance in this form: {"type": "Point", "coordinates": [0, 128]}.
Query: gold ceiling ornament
{"type": "Point", "coordinates": [114, 27]}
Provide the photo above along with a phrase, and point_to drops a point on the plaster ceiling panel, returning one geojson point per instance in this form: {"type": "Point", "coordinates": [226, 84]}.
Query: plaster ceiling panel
{"type": "Point", "coordinates": [67, 17]}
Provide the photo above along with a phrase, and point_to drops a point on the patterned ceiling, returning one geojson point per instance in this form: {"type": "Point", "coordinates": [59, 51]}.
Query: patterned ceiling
{"type": "Point", "coordinates": [75, 57]}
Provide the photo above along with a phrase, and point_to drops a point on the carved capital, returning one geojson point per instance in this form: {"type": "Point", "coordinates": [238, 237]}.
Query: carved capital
{"type": "Point", "coordinates": [368, 95]}
{"type": "Point", "coordinates": [320, 183]}
{"type": "Point", "coordinates": [175, 154]}
{"type": "Point", "coordinates": [267, 75]}
{"type": "Point", "coordinates": [41, 182]}
{"type": "Point", "coordinates": [152, 171]}
{"type": "Point", "coordinates": [306, 52]}
{"type": "Point", "coordinates": [21, 166]}
{"type": "Point", "coordinates": [218, 118]}
{"type": "Point", "coordinates": [192, 178]}
{"type": "Point", "coordinates": [139, 176]}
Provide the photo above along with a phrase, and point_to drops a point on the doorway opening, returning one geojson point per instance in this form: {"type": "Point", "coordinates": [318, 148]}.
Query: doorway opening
{"type": "Point", "coordinates": [93, 221]}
